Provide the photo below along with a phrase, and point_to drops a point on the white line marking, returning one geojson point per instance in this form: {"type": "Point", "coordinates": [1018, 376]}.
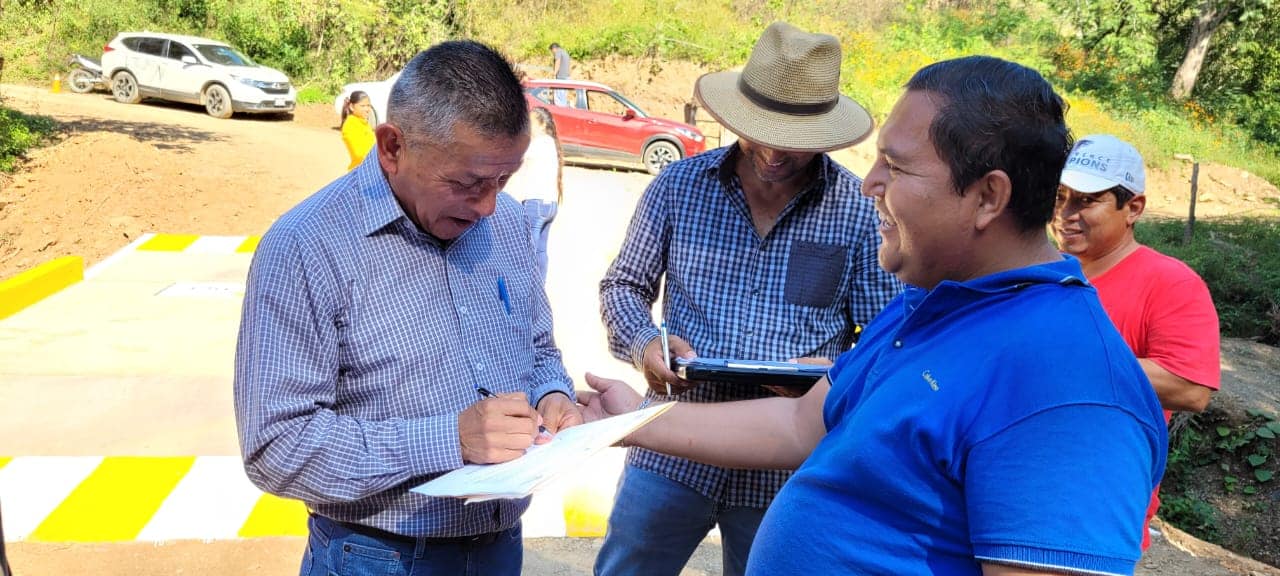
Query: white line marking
{"type": "Point", "coordinates": [203, 290]}
{"type": "Point", "coordinates": [32, 487]}
{"type": "Point", "coordinates": [211, 502]}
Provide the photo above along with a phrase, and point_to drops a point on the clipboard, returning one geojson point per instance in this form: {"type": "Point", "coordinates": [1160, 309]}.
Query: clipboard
{"type": "Point", "coordinates": [541, 463]}
{"type": "Point", "coordinates": [753, 372]}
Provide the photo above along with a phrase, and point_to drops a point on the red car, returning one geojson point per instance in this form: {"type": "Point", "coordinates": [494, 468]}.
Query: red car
{"type": "Point", "coordinates": [596, 123]}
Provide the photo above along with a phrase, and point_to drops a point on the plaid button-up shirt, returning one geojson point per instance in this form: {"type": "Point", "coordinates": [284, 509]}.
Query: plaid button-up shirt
{"type": "Point", "coordinates": [361, 340]}
{"type": "Point", "coordinates": [799, 291]}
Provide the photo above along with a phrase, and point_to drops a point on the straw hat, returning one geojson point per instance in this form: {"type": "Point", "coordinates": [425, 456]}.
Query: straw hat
{"type": "Point", "coordinates": [787, 97]}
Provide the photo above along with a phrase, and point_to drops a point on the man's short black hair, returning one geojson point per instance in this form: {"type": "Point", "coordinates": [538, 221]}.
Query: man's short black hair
{"type": "Point", "coordinates": [999, 115]}
{"type": "Point", "coordinates": [553, 46]}
{"type": "Point", "coordinates": [1122, 196]}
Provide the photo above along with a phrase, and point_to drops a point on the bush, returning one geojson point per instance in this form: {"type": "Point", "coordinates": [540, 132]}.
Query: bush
{"type": "Point", "coordinates": [1240, 261]}
{"type": "Point", "coordinates": [20, 132]}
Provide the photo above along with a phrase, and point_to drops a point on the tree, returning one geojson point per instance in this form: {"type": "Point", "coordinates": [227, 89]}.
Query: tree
{"type": "Point", "coordinates": [1210, 17]}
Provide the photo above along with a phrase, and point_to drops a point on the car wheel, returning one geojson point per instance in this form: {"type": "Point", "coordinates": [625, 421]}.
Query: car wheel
{"type": "Point", "coordinates": [80, 81]}
{"type": "Point", "coordinates": [658, 154]}
{"type": "Point", "coordinates": [124, 87]}
{"type": "Point", "coordinates": [217, 102]}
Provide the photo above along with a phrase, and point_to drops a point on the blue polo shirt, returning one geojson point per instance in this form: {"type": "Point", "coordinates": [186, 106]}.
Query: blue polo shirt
{"type": "Point", "coordinates": [1000, 419]}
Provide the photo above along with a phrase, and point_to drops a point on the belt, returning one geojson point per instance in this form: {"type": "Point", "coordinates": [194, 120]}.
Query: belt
{"type": "Point", "coordinates": [476, 540]}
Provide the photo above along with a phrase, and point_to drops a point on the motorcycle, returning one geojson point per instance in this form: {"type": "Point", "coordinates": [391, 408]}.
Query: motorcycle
{"type": "Point", "coordinates": [85, 75]}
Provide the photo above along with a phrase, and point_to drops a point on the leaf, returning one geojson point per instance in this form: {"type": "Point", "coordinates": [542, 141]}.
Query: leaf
{"type": "Point", "coordinates": [1224, 431]}
{"type": "Point", "coordinates": [1225, 467]}
{"type": "Point", "coordinates": [1257, 460]}
{"type": "Point", "coordinates": [1274, 425]}
{"type": "Point", "coordinates": [1263, 475]}
{"type": "Point", "coordinates": [1249, 490]}
{"type": "Point", "coordinates": [1265, 432]}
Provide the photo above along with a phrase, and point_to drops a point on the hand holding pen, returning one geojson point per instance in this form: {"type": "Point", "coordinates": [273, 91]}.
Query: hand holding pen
{"type": "Point", "coordinates": [657, 364]}
{"type": "Point", "coordinates": [498, 428]}
{"type": "Point", "coordinates": [485, 393]}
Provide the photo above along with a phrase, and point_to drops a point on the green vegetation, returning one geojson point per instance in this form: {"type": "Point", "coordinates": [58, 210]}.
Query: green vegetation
{"type": "Point", "coordinates": [1239, 260]}
{"type": "Point", "coordinates": [1215, 455]}
{"type": "Point", "coordinates": [18, 133]}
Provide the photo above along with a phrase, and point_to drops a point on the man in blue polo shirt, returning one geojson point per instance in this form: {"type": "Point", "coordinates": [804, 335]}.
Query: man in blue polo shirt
{"type": "Point", "coordinates": [955, 438]}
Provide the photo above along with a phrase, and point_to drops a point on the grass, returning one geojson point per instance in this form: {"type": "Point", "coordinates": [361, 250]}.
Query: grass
{"type": "Point", "coordinates": [1239, 259]}
{"type": "Point", "coordinates": [20, 132]}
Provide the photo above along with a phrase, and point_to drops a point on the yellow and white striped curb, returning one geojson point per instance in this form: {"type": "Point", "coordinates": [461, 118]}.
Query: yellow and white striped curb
{"type": "Point", "coordinates": [38, 283]}
{"type": "Point", "coordinates": [185, 243]}
{"type": "Point", "coordinates": [157, 499]}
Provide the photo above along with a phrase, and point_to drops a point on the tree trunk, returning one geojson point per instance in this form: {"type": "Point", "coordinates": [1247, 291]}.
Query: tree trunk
{"type": "Point", "coordinates": [1211, 16]}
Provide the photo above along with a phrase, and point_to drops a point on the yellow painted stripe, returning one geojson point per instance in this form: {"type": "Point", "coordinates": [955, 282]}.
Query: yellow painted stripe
{"type": "Point", "coordinates": [169, 242]}
{"type": "Point", "coordinates": [5, 460]}
{"type": "Point", "coordinates": [37, 283]}
{"type": "Point", "coordinates": [275, 516]}
{"type": "Point", "coordinates": [586, 513]}
{"type": "Point", "coordinates": [115, 502]}
{"type": "Point", "coordinates": [249, 245]}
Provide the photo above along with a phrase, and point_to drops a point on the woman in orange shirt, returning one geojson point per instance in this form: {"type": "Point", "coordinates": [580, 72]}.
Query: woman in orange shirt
{"type": "Point", "coordinates": [357, 134]}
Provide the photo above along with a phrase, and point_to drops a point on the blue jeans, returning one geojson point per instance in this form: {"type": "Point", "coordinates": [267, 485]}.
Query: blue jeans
{"type": "Point", "coordinates": [334, 550]}
{"type": "Point", "coordinates": [657, 523]}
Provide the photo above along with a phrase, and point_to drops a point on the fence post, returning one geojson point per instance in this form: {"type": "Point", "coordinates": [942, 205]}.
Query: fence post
{"type": "Point", "coordinates": [1191, 216]}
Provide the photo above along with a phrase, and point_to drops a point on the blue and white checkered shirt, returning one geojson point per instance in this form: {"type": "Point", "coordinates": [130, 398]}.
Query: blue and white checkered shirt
{"type": "Point", "coordinates": [797, 292]}
{"type": "Point", "coordinates": [361, 340]}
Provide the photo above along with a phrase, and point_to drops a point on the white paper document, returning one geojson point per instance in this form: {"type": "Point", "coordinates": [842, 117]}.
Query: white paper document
{"type": "Point", "coordinates": [522, 476]}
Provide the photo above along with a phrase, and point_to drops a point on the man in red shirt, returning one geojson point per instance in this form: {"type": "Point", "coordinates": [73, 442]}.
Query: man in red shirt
{"type": "Point", "coordinates": [1160, 305]}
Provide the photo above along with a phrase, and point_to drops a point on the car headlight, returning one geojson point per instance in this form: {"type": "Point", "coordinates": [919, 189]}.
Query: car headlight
{"type": "Point", "coordinates": [690, 134]}
{"type": "Point", "coordinates": [262, 85]}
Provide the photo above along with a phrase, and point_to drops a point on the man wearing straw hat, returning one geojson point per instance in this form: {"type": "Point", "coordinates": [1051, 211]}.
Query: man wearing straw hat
{"type": "Point", "coordinates": [769, 253]}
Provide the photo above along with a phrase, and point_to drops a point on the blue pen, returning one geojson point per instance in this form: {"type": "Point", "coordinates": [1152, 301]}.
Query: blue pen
{"type": "Point", "coordinates": [502, 293]}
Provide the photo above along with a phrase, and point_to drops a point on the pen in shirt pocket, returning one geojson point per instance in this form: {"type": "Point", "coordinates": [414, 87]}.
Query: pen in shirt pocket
{"type": "Point", "coordinates": [504, 295]}
{"type": "Point", "coordinates": [485, 393]}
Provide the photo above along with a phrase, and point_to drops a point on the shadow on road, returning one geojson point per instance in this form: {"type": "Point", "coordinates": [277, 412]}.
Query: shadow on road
{"type": "Point", "coordinates": [163, 136]}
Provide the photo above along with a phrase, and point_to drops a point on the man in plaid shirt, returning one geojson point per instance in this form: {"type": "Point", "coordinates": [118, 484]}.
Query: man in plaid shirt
{"type": "Point", "coordinates": [769, 252]}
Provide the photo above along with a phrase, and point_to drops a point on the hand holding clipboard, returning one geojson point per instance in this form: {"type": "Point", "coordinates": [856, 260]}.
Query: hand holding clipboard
{"type": "Point", "coordinates": [750, 372]}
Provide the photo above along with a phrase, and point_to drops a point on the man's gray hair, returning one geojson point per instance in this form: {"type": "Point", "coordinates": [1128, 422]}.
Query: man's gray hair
{"type": "Point", "coordinates": [456, 82]}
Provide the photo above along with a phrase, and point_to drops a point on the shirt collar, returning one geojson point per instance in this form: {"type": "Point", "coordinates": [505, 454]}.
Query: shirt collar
{"type": "Point", "coordinates": [378, 204]}
{"type": "Point", "coordinates": [824, 169]}
{"type": "Point", "coordinates": [1066, 272]}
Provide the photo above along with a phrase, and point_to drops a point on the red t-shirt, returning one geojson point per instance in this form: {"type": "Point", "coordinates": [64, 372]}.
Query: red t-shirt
{"type": "Point", "coordinates": [1165, 313]}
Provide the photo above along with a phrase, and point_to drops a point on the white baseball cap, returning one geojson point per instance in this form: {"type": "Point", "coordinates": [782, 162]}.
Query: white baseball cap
{"type": "Point", "coordinates": [1101, 162]}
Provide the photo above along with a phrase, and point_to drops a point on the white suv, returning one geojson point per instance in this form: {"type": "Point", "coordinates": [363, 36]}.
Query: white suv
{"type": "Point", "coordinates": [196, 70]}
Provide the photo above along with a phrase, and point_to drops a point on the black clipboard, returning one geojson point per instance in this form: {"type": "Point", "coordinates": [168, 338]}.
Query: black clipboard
{"type": "Point", "coordinates": [753, 372]}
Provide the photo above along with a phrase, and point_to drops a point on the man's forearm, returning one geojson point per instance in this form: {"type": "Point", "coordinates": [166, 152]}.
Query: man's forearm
{"type": "Point", "coordinates": [1175, 392]}
{"type": "Point", "coordinates": [627, 319]}
{"type": "Point", "coordinates": [773, 433]}
{"type": "Point", "coordinates": [324, 457]}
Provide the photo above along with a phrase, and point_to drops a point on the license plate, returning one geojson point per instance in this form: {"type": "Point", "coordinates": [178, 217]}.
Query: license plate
{"type": "Point", "coordinates": [280, 102]}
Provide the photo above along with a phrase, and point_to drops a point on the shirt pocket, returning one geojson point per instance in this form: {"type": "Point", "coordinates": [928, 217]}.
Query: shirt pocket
{"type": "Point", "coordinates": [814, 271]}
